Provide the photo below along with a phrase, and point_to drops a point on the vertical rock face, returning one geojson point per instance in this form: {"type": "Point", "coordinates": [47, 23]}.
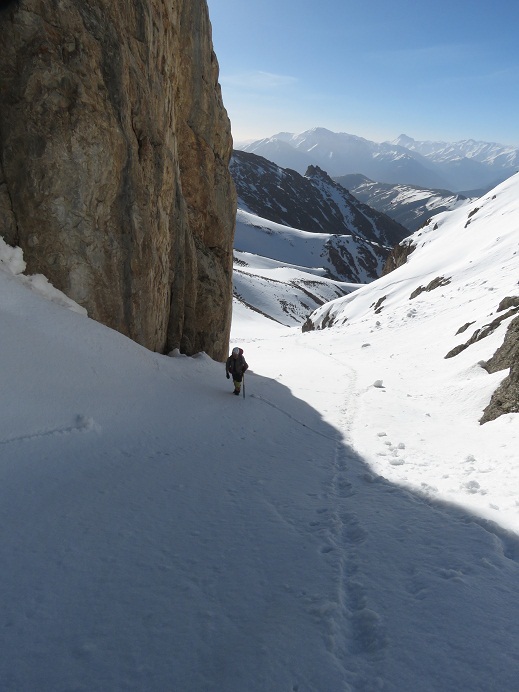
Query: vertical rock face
{"type": "Point", "coordinates": [114, 152]}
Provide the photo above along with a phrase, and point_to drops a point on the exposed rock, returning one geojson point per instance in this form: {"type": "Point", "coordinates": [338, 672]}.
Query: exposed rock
{"type": "Point", "coordinates": [308, 326]}
{"type": "Point", "coordinates": [464, 327]}
{"type": "Point", "coordinates": [435, 283]}
{"type": "Point", "coordinates": [328, 321]}
{"type": "Point", "coordinates": [471, 214]}
{"type": "Point", "coordinates": [343, 261]}
{"type": "Point", "coordinates": [483, 332]}
{"type": "Point", "coordinates": [114, 151]}
{"type": "Point", "coordinates": [377, 307]}
{"type": "Point", "coordinates": [508, 302]}
{"type": "Point", "coordinates": [506, 397]}
{"type": "Point", "coordinates": [398, 256]}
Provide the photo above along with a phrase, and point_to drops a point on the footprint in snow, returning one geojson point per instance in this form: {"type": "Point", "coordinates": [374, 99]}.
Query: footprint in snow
{"type": "Point", "coordinates": [345, 488]}
{"type": "Point", "coordinates": [353, 531]}
{"type": "Point", "coordinates": [368, 632]}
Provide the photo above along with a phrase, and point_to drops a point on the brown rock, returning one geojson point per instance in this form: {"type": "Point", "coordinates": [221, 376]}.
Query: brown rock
{"type": "Point", "coordinates": [435, 283]}
{"type": "Point", "coordinates": [398, 256]}
{"type": "Point", "coordinates": [506, 397]}
{"type": "Point", "coordinates": [482, 333]}
{"type": "Point", "coordinates": [115, 145]}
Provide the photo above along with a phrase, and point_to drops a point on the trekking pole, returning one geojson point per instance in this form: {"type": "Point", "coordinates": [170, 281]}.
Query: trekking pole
{"type": "Point", "coordinates": [243, 385]}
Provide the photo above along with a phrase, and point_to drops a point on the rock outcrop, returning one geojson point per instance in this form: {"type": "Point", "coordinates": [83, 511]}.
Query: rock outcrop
{"type": "Point", "coordinates": [506, 397]}
{"type": "Point", "coordinates": [114, 152]}
{"type": "Point", "coordinates": [398, 256]}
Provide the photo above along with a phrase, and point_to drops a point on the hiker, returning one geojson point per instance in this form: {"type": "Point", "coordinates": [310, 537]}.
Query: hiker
{"type": "Point", "coordinates": [236, 366]}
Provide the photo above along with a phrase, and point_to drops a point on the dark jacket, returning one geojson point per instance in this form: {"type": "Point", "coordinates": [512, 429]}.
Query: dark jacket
{"type": "Point", "coordinates": [236, 366]}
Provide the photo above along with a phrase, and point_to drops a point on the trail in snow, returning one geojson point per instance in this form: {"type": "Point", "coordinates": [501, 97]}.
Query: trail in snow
{"type": "Point", "coordinates": [288, 415]}
{"type": "Point", "coordinates": [356, 634]}
{"type": "Point", "coordinates": [82, 424]}
{"type": "Point", "coordinates": [198, 541]}
{"type": "Point", "coordinates": [403, 563]}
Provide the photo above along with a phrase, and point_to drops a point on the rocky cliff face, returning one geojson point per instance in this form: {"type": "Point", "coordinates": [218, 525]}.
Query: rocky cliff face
{"type": "Point", "coordinates": [114, 152]}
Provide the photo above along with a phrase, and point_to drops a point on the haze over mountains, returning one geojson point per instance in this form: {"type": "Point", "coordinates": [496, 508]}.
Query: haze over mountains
{"type": "Point", "coordinates": [457, 166]}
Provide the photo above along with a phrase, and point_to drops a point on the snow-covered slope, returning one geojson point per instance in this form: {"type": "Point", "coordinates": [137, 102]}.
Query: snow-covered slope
{"type": "Point", "coordinates": [161, 534]}
{"type": "Point", "coordinates": [280, 291]}
{"type": "Point", "coordinates": [285, 273]}
{"type": "Point", "coordinates": [401, 328]}
{"type": "Point", "coordinates": [301, 241]}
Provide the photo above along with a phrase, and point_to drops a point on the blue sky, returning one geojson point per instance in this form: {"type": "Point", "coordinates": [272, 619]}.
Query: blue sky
{"type": "Point", "coordinates": [446, 70]}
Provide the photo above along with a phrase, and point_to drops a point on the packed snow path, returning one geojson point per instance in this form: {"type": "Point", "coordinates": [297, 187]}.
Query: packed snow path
{"type": "Point", "coordinates": [161, 534]}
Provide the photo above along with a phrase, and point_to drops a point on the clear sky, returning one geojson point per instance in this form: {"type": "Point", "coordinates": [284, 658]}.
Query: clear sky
{"type": "Point", "coordinates": [446, 70]}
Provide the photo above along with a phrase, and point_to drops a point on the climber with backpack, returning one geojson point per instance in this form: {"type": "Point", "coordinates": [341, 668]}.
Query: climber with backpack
{"type": "Point", "coordinates": [236, 366]}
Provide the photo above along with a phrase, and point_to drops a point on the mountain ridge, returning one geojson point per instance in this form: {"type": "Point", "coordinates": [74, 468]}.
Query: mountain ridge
{"type": "Point", "coordinates": [313, 202]}
{"type": "Point", "coordinates": [455, 166]}
{"type": "Point", "coordinates": [410, 205]}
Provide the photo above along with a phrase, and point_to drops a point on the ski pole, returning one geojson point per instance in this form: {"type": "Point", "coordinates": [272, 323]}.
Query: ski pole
{"type": "Point", "coordinates": [243, 385]}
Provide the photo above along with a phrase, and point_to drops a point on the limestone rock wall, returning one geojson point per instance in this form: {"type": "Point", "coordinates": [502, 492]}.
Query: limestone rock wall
{"type": "Point", "coordinates": [114, 153]}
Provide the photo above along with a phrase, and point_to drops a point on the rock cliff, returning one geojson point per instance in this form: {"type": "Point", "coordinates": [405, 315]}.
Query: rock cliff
{"type": "Point", "coordinates": [114, 153]}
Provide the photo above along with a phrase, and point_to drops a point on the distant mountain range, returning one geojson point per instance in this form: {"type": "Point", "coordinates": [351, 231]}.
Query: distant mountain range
{"type": "Point", "coordinates": [460, 166]}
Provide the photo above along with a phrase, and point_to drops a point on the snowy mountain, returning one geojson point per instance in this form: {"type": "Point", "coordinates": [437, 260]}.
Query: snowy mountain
{"type": "Point", "coordinates": [348, 525]}
{"type": "Point", "coordinates": [460, 166]}
{"type": "Point", "coordinates": [313, 202]}
{"type": "Point", "coordinates": [411, 206]}
{"type": "Point", "coordinates": [490, 154]}
{"type": "Point", "coordinates": [468, 163]}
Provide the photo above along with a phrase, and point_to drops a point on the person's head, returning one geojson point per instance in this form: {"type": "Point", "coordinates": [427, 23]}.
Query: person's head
{"type": "Point", "coordinates": [235, 352]}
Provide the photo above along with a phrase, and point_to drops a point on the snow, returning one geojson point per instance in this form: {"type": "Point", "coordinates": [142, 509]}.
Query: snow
{"type": "Point", "coordinates": [275, 245]}
{"type": "Point", "coordinates": [447, 454]}
{"type": "Point", "coordinates": [326, 533]}
{"type": "Point", "coordinates": [279, 242]}
{"type": "Point", "coordinates": [285, 293]}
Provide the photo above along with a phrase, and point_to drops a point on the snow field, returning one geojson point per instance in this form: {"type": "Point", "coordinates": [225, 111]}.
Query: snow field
{"type": "Point", "coordinates": [346, 527]}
